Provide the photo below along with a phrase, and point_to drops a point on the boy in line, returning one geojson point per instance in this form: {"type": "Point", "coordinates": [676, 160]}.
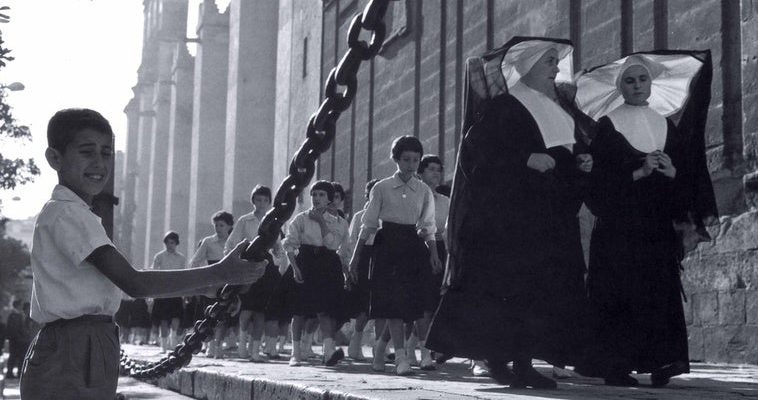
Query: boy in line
{"type": "Point", "coordinates": [78, 273]}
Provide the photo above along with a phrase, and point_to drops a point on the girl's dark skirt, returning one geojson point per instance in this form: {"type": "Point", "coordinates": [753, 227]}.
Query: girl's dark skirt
{"type": "Point", "coordinates": [279, 307]}
{"type": "Point", "coordinates": [433, 282]}
{"type": "Point", "coordinates": [122, 315]}
{"type": "Point", "coordinates": [138, 315]}
{"type": "Point", "coordinates": [400, 257]}
{"type": "Point", "coordinates": [257, 297]}
{"type": "Point", "coordinates": [168, 308]}
{"type": "Point", "coordinates": [322, 290]}
{"type": "Point", "coordinates": [358, 294]}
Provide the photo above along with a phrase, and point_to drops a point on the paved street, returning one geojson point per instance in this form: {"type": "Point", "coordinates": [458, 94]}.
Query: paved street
{"type": "Point", "coordinates": [237, 379]}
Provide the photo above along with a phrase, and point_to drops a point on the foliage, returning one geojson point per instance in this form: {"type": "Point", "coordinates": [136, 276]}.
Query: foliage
{"type": "Point", "coordinates": [13, 171]}
{"type": "Point", "coordinates": [14, 258]}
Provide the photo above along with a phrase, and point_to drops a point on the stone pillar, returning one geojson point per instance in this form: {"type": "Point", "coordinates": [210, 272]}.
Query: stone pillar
{"type": "Point", "coordinates": [208, 120]}
{"type": "Point", "coordinates": [126, 206]}
{"type": "Point", "coordinates": [749, 71]}
{"type": "Point", "coordinates": [179, 146]}
{"type": "Point", "coordinates": [142, 170]}
{"type": "Point", "coordinates": [250, 101]}
{"type": "Point", "coordinates": [156, 201]}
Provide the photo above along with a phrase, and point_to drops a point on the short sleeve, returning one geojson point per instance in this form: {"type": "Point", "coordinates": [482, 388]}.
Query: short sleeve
{"type": "Point", "coordinates": [77, 232]}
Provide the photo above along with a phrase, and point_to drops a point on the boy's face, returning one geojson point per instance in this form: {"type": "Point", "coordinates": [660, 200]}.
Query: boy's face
{"type": "Point", "coordinates": [86, 165]}
{"type": "Point", "coordinates": [261, 203]}
{"type": "Point", "coordinates": [408, 161]}
{"type": "Point", "coordinates": [319, 198]}
{"type": "Point", "coordinates": [171, 245]}
{"type": "Point", "coordinates": [222, 228]}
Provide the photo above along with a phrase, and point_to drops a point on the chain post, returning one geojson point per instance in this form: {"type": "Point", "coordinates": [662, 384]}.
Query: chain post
{"type": "Point", "coordinates": [319, 136]}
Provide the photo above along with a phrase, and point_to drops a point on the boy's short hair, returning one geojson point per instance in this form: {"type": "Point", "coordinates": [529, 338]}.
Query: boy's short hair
{"type": "Point", "coordinates": [223, 216]}
{"type": "Point", "coordinates": [339, 189]}
{"type": "Point", "coordinates": [406, 143]}
{"type": "Point", "coordinates": [171, 235]}
{"type": "Point", "coordinates": [429, 159]}
{"type": "Point", "coordinates": [65, 124]}
{"type": "Point", "coordinates": [325, 186]}
{"type": "Point", "coordinates": [370, 185]}
{"type": "Point", "coordinates": [260, 190]}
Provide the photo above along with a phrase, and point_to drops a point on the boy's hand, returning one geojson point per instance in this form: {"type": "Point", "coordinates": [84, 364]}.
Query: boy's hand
{"type": "Point", "coordinates": [239, 271]}
{"type": "Point", "coordinates": [297, 274]}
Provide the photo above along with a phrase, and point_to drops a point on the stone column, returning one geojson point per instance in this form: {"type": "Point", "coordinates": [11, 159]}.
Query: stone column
{"type": "Point", "coordinates": [251, 100]}
{"type": "Point", "coordinates": [208, 120]}
{"type": "Point", "coordinates": [179, 146]}
{"type": "Point", "coordinates": [126, 205]}
{"type": "Point", "coordinates": [142, 170]}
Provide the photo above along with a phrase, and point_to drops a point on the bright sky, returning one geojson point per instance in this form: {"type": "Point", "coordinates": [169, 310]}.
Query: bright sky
{"type": "Point", "coordinates": [69, 53]}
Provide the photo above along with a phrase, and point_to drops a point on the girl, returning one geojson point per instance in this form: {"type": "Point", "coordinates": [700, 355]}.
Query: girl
{"type": "Point", "coordinates": [168, 311]}
{"type": "Point", "coordinates": [211, 250]}
{"type": "Point", "coordinates": [312, 243]}
{"type": "Point", "coordinates": [405, 207]}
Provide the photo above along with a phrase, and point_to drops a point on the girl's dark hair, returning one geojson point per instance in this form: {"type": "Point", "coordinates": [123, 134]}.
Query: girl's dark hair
{"type": "Point", "coordinates": [223, 216]}
{"type": "Point", "coordinates": [370, 185]}
{"type": "Point", "coordinates": [429, 159]}
{"type": "Point", "coordinates": [260, 190]}
{"type": "Point", "coordinates": [325, 186]}
{"type": "Point", "coordinates": [65, 124]}
{"type": "Point", "coordinates": [339, 189]}
{"type": "Point", "coordinates": [171, 235]}
{"type": "Point", "coordinates": [406, 143]}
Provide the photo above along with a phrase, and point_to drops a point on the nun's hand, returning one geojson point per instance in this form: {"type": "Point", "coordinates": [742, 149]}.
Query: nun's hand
{"type": "Point", "coordinates": [540, 162]}
{"type": "Point", "coordinates": [651, 163]}
{"type": "Point", "coordinates": [666, 166]}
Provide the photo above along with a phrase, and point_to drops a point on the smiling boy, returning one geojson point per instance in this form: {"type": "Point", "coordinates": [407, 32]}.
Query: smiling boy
{"type": "Point", "coordinates": [79, 274]}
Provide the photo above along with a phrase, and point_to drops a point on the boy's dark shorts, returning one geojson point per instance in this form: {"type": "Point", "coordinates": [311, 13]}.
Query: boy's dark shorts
{"type": "Point", "coordinates": [73, 359]}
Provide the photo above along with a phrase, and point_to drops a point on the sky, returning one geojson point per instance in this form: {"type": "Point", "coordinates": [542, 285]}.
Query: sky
{"type": "Point", "coordinates": [69, 53]}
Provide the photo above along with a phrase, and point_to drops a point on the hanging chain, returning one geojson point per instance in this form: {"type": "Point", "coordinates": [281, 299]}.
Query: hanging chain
{"type": "Point", "coordinates": [319, 135]}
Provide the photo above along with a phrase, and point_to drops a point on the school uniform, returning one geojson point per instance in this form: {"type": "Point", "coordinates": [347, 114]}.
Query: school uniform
{"type": "Point", "coordinates": [76, 353]}
{"type": "Point", "coordinates": [257, 296]}
{"type": "Point", "coordinates": [210, 251]}
{"type": "Point", "coordinates": [406, 212]}
{"type": "Point", "coordinates": [433, 286]}
{"type": "Point", "coordinates": [322, 290]}
{"type": "Point", "coordinates": [171, 307]}
{"type": "Point", "coordinates": [359, 293]}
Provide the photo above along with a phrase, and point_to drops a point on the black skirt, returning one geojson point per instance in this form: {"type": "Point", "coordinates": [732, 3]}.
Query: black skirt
{"type": "Point", "coordinates": [358, 295]}
{"type": "Point", "coordinates": [432, 282]}
{"type": "Point", "coordinates": [167, 309]}
{"type": "Point", "coordinates": [257, 297]}
{"type": "Point", "coordinates": [122, 315]}
{"type": "Point", "coordinates": [138, 315]}
{"type": "Point", "coordinates": [398, 270]}
{"type": "Point", "coordinates": [279, 307]}
{"type": "Point", "coordinates": [322, 290]}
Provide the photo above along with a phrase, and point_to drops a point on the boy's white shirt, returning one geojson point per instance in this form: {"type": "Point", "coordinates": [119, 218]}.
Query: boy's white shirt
{"type": "Point", "coordinates": [65, 286]}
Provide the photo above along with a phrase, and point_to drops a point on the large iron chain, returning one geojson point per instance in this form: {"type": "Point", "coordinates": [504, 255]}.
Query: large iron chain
{"type": "Point", "coordinates": [319, 136]}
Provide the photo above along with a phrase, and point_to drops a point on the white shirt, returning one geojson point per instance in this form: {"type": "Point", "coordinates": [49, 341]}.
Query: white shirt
{"type": "Point", "coordinates": [395, 201]}
{"type": "Point", "coordinates": [211, 249]}
{"type": "Point", "coordinates": [246, 227]}
{"type": "Point", "coordinates": [64, 284]}
{"type": "Point", "coordinates": [165, 260]}
{"type": "Point", "coordinates": [643, 128]}
{"type": "Point", "coordinates": [556, 126]}
{"type": "Point", "coordinates": [441, 209]}
{"type": "Point", "coordinates": [304, 230]}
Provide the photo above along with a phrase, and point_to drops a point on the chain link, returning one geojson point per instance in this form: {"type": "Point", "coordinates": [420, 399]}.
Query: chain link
{"type": "Point", "coordinates": [319, 136]}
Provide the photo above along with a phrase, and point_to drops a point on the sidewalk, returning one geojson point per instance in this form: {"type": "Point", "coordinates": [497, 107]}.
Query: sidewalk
{"type": "Point", "coordinates": [233, 378]}
{"type": "Point", "coordinates": [132, 389]}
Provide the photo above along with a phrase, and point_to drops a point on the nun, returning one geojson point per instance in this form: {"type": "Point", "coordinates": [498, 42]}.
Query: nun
{"type": "Point", "coordinates": [648, 178]}
{"type": "Point", "coordinates": [515, 277]}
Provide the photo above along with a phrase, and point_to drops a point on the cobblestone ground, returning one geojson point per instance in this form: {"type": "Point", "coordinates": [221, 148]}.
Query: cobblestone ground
{"type": "Point", "coordinates": [234, 378]}
{"type": "Point", "coordinates": [130, 388]}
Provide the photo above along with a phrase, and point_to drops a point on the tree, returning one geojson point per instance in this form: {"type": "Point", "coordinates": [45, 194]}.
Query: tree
{"type": "Point", "coordinates": [13, 171]}
{"type": "Point", "coordinates": [14, 258]}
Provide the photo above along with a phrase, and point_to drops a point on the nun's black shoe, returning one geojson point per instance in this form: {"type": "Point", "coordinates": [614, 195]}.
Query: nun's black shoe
{"type": "Point", "coordinates": [529, 377]}
{"type": "Point", "coordinates": [500, 372]}
{"type": "Point", "coordinates": [662, 375]}
{"type": "Point", "coordinates": [623, 380]}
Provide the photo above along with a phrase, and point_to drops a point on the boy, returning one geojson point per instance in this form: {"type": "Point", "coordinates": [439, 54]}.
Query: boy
{"type": "Point", "coordinates": [78, 273]}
